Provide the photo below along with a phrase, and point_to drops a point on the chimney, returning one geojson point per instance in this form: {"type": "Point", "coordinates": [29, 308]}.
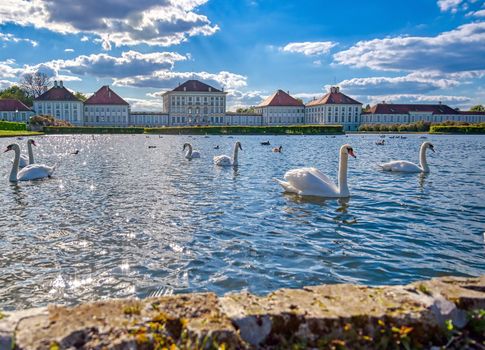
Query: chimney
{"type": "Point", "coordinates": [185, 88]}
{"type": "Point", "coordinates": [439, 102]}
{"type": "Point", "coordinates": [210, 89]}
{"type": "Point", "coordinates": [55, 83]}
{"type": "Point", "coordinates": [61, 85]}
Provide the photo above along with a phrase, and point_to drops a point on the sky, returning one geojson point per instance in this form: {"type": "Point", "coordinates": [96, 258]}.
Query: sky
{"type": "Point", "coordinates": [413, 51]}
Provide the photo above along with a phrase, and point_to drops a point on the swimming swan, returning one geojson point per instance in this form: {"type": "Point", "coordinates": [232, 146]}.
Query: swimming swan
{"type": "Point", "coordinates": [408, 167]}
{"type": "Point", "coordinates": [190, 154]}
{"type": "Point", "coordinates": [226, 160]}
{"type": "Point", "coordinates": [30, 172]}
{"type": "Point", "coordinates": [313, 182]}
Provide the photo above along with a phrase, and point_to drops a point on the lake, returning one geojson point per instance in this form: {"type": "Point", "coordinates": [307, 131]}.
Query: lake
{"type": "Point", "coordinates": [120, 219]}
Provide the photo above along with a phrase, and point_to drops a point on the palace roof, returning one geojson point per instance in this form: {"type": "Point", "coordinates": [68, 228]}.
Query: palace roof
{"type": "Point", "coordinates": [105, 96]}
{"type": "Point", "coordinates": [196, 86]}
{"type": "Point", "coordinates": [280, 98]}
{"type": "Point", "coordinates": [13, 105]}
{"type": "Point", "coordinates": [333, 97]}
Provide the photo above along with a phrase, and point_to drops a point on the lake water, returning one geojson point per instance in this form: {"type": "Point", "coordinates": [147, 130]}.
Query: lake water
{"type": "Point", "coordinates": [120, 219]}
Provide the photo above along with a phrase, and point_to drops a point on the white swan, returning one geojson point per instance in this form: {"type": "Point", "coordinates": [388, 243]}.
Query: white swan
{"type": "Point", "coordinates": [313, 182]}
{"type": "Point", "coordinates": [226, 160]}
{"type": "Point", "coordinates": [24, 161]}
{"type": "Point", "coordinates": [408, 167]}
{"type": "Point", "coordinates": [30, 172]}
{"type": "Point", "coordinates": [190, 153]}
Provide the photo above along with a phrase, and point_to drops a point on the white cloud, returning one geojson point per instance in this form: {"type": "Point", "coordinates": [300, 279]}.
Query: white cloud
{"type": "Point", "coordinates": [68, 50]}
{"type": "Point", "coordinates": [411, 83]}
{"type": "Point", "coordinates": [8, 69]}
{"type": "Point", "coordinates": [149, 105]}
{"type": "Point", "coordinates": [169, 79]}
{"type": "Point", "coordinates": [309, 48]}
{"type": "Point", "coordinates": [416, 98]}
{"type": "Point", "coordinates": [4, 84]}
{"type": "Point", "coordinates": [480, 13]}
{"type": "Point", "coordinates": [459, 50]}
{"type": "Point", "coordinates": [84, 38]}
{"type": "Point", "coordinates": [151, 22]}
{"type": "Point", "coordinates": [243, 99]}
{"type": "Point", "coordinates": [130, 63]}
{"type": "Point", "coordinates": [7, 37]}
{"type": "Point", "coordinates": [449, 5]}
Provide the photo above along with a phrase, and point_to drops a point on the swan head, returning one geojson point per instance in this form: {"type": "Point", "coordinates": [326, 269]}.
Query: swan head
{"type": "Point", "coordinates": [32, 142]}
{"type": "Point", "coordinates": [185, 146]}
{"type": "Point", "coordinates": [429, 145]}
{"type": "Point", "coordinates": [12, 147]}
{"type": "Point", "coordinates": [238, 145]}
{"type": "Point", "coordinates": [347, 149]}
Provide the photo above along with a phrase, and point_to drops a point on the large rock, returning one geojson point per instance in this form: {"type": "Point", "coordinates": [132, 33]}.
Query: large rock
{"type": "Point", "coordinates": [443, 311]}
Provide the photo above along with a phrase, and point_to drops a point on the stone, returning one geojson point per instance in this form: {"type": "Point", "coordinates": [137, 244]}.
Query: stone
{"type": "Point", "coordinates": [428, 314]}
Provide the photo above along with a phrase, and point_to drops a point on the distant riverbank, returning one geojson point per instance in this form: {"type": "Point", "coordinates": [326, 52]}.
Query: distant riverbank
{"type": "Point", "coordinates": [15, 133]}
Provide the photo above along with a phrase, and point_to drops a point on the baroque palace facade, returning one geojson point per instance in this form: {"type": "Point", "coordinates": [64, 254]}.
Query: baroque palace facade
{"type": "Point", "coordinates": [197, 103]}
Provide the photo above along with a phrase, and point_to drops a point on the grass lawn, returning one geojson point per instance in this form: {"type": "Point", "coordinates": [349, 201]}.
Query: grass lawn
{"type": "Point", "coordinates": [12, 133]}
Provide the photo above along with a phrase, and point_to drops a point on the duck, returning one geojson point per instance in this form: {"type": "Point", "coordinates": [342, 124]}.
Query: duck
{"type": "Point", "coordinates": [404, 166]}
{"type": "Point", "coordinates": [31, 171]}
{"type": "Point", "coordinates": [190, 153]}
{"type": "Point", "coordinates": [278, 149]}
{"type": "Point", "coordinates": [226, 160]}
{"type": "Point", "coordinates": [313, 182]}
{"type": "Point", "coordinates": [265, 143]}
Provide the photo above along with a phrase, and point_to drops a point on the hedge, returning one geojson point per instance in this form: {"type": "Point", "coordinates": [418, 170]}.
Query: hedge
{"type": "Point", "coordinates": [455, 129]}
{"type": "Point", "coordinates": [90, 130]}
{"type": "Point", "coordinates": [250, 130]}
{"type": "Point", "coordinates": [13, 126]}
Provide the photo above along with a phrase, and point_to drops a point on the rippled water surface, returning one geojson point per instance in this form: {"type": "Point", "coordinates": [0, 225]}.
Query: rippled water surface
{"type": "Point", "coordinates": [121, 219]}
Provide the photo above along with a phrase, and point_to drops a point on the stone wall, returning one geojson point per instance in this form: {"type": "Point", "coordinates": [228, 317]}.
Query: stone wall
{"type": "Point", "coordinates": [443, 312]}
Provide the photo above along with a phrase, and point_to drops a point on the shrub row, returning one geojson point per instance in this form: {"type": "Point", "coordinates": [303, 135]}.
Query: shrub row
{"type": "Point", "coordinates": [422, 126]}
{"type": "Point", "coordinates": [13, 126]}
{"type": "Point", "coordinates": [251, 130]}
{"type": "Point", "coordinates": [90, 130]}
{"type": "Point", "coordinates": [459, 129]}
{"type": "Point", "coordinates": [47, 120]}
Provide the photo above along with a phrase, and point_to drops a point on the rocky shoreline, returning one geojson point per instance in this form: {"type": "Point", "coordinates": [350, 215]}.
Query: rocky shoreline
{"type": "Point", "coordinates": [442, 312]}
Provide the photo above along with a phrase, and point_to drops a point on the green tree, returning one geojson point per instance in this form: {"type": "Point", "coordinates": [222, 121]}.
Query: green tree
{"type": "Point", "coordinates": [80, 96]}
{"type": "Point", "coordinates": [367, 108]}
{"type": "Point", "coordinates": [246, 110]}
{"type": "Point", "coordinates": [299, 100]}
{"type": "Point", "coordinates": [478, 108]}
{"type": "Point", "coordinates": [17, 93]}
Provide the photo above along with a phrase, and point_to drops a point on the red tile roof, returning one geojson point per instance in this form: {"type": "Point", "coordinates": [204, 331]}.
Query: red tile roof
{"type": "Point", "coordinates": [11, 105]}
{"type": "Point", "coordinates": [57, 93]}
{"type": "Point", "coordinates": [105, 96]}
{"type": "Point", "coordinates": [334, 97]}
{"type": "Point", "coordinates": [280, 98]}
{"type": "Point", "coordinates": [391, 108]}
{"type": "Point", "coordinates": [196, 86]}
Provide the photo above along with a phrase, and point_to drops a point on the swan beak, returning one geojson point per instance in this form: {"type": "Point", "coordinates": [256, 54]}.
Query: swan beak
{"type": "Point", "coordinates": [432, 148]}
{"type": "Point", "coordinates": [351, 152]}
{"type": "Point", "coordinates": [8, 149]}
{"type": "Point", "coordinates": [33, 142]}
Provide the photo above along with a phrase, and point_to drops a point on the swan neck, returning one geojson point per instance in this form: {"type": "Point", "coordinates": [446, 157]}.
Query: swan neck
{"type": "Point", "coordinates": [31, 153]}
{"type": "Point", "coordinates": [234, 156]}
{"type": "Point", "coordinates": [15, 165]}
{"type": "Point", "coordinates": [189, 153]}
{"type": "Point", "coordinates": [422, 159]}
{"type": "Point", "coordinates": [342, 174]}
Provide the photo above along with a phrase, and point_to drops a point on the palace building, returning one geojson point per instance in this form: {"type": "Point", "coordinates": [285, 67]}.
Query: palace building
{"type": "Point", "coordinates": [281, 109]}
{"type": "Point", "coordinates": [12, 110]}
{"type": "Point", "coordinates": [106, 108]}
{"type": "Point", "coordinates": [195, 103]}
{"type": "Point", "coordinates": [334, 108]}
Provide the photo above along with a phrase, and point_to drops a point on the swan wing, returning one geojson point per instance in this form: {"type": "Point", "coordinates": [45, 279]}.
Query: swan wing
{"type": "Point", "coordinates": [35, 172]}
{"type": "Point", "coordinates": [401, 166]}
{"type": "Point", "coordinates": [287, 187]}
{"type": "Point", "coordinates": [311, 181]}
{"type": "Point", "coordinates": [195, 154]}
{"type": "Point", "coordinates": [222, 160]}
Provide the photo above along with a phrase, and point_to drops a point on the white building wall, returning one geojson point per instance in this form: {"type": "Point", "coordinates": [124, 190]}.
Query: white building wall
{"type": "Point", "coordinates": [282, 115]}
{"type": "Point", "coordinates": [420, 116]}
{"type": "Point", "coordinates": [195, 108]}
{"type": "Point", "coordinates": [348, 115]}
{"type": "Point", "coordinates": [149, 119]}
{"type": "Point", "coordinates": [13, 116]}
{"type": "Point", "coordinates": [106, 115]}
{"type": "Point", "coordinates": [243, 119]}
{"type": "Point", "coordinates": [71, 111]}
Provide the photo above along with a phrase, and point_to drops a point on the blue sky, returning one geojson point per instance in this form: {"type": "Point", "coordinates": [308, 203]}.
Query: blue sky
{"type": "Point", "coordinates": [420, 51]}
